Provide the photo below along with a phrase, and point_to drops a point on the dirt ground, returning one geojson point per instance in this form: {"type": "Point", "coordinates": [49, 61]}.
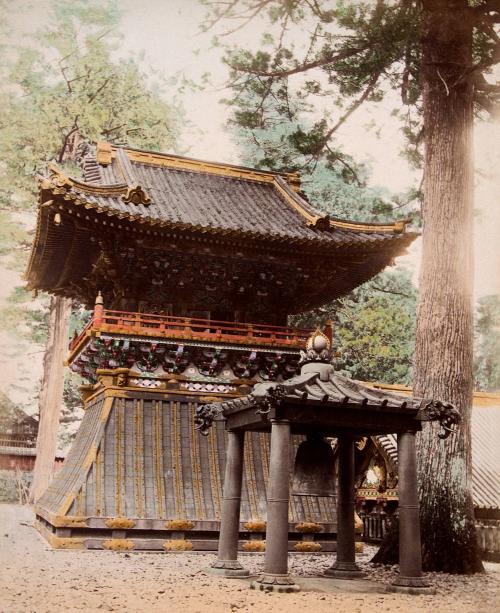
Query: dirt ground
{"type": "Point", "coordinates": [37, 579]}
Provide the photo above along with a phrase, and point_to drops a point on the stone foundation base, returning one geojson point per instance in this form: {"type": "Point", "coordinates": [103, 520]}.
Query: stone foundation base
{"type": "Point", "coordinates": [344, 573]}
{"type": "Point", "coordinates": [275, 583]}
{"type": "Point", "coordinates": [402, 589]}
{"type": "Point", "coordinates": [228, 568]}
{"type": "Point", "coordinates": [411, 585]}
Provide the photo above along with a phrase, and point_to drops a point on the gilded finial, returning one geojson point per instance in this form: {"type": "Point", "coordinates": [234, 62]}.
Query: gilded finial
{"type": "Point", "coordinates": [99, 299]}
{"type": "Point", "coordinates": [318, 349]}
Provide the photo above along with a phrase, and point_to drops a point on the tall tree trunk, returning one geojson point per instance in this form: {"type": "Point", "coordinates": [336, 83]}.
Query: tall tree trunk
{"type": "Point", "coordinates": [444, 343]}
{"type": "Point", "coordinates": [51, 395]}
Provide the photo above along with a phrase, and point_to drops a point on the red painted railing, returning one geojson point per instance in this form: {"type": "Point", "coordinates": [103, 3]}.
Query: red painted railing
{"type": "Point", "coordinates": [144, 324]}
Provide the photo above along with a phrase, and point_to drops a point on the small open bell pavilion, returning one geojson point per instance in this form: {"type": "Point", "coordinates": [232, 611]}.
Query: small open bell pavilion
{"type": "Point", "coordinates": [320, 403]}
{"type": "Point", "coordinates": [195, 266]}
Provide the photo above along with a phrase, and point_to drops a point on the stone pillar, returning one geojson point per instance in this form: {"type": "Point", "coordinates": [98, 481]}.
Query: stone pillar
{"type": "Point", "coordinates": [276, 577]}
{"type": "Point", "coordinates": [410, 579]}
{"type": "Point", "coordinates": [227, 559]}
{"type": "Point", "coordinates": [345, 566]}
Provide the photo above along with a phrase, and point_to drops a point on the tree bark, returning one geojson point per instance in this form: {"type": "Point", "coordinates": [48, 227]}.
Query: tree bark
{"type": "Point", "coordinates": [51, 395]}
{"type": "Point", "coordinates": [444, 337]}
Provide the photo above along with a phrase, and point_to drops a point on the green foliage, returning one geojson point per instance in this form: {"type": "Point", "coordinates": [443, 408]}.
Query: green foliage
{"type": "Point", "coordinates": [71, 88]}
{"type": "Point", "coordinates": [487, 344]}
{"type": "Point", "coordinates": [25, 319]}
{"type": "Point", "coordinates": [14, 486]}
{"type": "Point", "coordinates": [326, 58]}
{"type": "Point", "coordinates": [374, 328]}
{"type": "Point", "coordinates": [12, 234]}
{"type": "Point", "coordinates": [63, 87]}
{"type": "Point", "coordinates": [279, 139]}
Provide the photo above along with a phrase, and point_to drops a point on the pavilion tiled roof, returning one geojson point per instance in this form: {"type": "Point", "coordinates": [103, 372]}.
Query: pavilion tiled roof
{"type": "Point", "coordinates": [217, 198]}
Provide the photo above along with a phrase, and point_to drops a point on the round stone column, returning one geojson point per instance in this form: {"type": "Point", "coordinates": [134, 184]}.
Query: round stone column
{"type": "Point", "coordinates": [410, 579]}
{"type": "Point", "coordinates": [345, 566]}
{"type": "Point", "coordinates": [227, 563]}
{"type": "Point", "coordinates": [276, 577]}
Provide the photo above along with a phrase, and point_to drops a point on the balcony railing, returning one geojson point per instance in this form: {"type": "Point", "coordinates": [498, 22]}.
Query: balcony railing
{"type": "Point", "coordinates": [166, 326]}
{"type": "Point", "coordinates": [16, 441]}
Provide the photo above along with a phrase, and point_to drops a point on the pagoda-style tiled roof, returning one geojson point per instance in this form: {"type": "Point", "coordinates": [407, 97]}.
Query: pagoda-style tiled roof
{"type": "Point", "coordinates": [161, 196]}
{"type": "Point", "coordinates": [218, 198]}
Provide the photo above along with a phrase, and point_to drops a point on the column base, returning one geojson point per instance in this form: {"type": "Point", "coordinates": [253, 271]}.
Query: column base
{"type": "Point", "coordinates": [344, 571]}
{"type": "Point", "coordinates": [228, 568]}
{"type": "Point", "coordinates": [411, 585]}
{"type": "Point", "coordinates": [275, 583]}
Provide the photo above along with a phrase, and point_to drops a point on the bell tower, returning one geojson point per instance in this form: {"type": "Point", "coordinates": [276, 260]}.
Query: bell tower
{"type": "Point", "coordinates": [196, 267]}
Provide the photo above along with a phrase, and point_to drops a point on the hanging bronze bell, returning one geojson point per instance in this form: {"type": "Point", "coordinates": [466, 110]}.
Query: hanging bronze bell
{"type": "Point", "coordinates": [314, 469]}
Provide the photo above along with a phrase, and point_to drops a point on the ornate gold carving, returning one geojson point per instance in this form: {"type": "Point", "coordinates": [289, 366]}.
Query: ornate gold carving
{"type": "Point", "coordinates": [136, 195]}
{"type": "Point", "coordinates": [122, 523]}
{"type": "Point", "coordinates": [69, 521]}
{"type": "Point", "coordinates": [179, 525]}
{"type": "Point", "coordinates": [308, 527]}
{"type": "Point", "coordinates": [178, 545]}
{"type": "Point", "coordinates": [307, 546]}
{"type": "Point", "coordinates": [254, 546]}
{"type": "Point", "coordinates": [121, 379]}
{"type": "Point", "coordinates": [118, 544]}
{"type": "Point", "coordinates": [255, 526]}
{"type": "Point", "coordinates": [294, 180]}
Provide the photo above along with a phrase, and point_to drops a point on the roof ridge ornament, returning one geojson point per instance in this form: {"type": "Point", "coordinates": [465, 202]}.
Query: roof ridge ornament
{"type": "Point", "coordinates": [318, 349]}
{"type": "Point", "coordinates": [104, 153]}
{"type": "Point", "coordinates": [136, 195]}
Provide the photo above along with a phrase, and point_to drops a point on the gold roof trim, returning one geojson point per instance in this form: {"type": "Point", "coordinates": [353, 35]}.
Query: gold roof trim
{"type": "Point", "coordinates": [179, 163]}
{"type": "Point", "coordinates": [324, 222]}
{"type": "Point", "coordinates": [61, 186]}
{"type": "Point", "coordinates": [130, 194]}
{"type": "Point", "coordinates": [287, 184]}
{"type": "Point", "coordinates": [58, 179]}
{"type": "Point", "coordinates": [480, 399]}
{"type": "Point", "coordinates": [105, 153]}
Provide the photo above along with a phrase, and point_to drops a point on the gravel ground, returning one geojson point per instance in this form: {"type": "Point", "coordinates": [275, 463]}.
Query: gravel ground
{"type": "Point", "coordinates": [35, 578]}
